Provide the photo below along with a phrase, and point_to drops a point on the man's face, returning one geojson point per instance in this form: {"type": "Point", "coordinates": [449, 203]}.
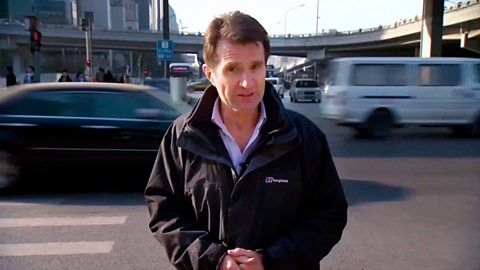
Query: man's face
{"type": "Point", "coordinates": [239, 75]}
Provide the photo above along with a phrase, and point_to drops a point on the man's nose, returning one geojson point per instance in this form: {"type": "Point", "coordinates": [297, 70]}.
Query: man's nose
{"type": "Point", "coordinates": [246, 80]}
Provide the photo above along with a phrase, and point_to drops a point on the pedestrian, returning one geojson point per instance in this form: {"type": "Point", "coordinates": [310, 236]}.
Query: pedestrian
{"type": "Point", "coordinates": [30, 76]}
{"type": "Point", "coordinates": [108, 77]}
{"type": "Point", "coordinates": [80, 77]}
{"type": "Point", "coordinates": [99, 75]}
{"type": "Point", "coordinates": [124, 78]}
{"type": "Point", "coordinates": [65, 77]}
{"type": "Point", "coordinates": [241, 182]}
{"type": "Point", "coordinates": [11, 78]}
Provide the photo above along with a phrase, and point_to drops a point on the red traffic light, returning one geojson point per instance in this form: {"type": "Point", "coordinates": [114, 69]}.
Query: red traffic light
{"type": "Point", "coordinates": [146, 72]}
{"type": "Point", "coordinates": [36, 36]}
{"type": "Point", "coordinates": [35, 40]}
{"type": "Point", "coordinates": [88, 62]}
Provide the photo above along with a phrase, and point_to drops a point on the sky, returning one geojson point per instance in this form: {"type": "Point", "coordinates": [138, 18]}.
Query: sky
{"type": "Point", "coordinates": [299, 16]}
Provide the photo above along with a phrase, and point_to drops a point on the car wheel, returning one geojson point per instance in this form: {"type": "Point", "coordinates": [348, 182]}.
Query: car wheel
{"type": "Point", "coordinates": [9, 169]}
{"type": "Point", "coordinates": [380, 123]}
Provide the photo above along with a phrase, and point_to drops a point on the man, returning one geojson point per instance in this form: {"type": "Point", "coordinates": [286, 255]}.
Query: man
{"type": "Point", "coordinates": [99, 75]}
{"type": "Point", "coordinates": [11, 78]}
{"type": "Point", "coordinates": [65, 76]}
{"type": "Point", "coordinates": [241, 182]}
{"type": "Point", "coordinates": [30, 77]}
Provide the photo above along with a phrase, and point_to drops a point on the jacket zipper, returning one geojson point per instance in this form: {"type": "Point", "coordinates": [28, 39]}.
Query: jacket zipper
{"type": "Point", "coordinates": [224, 234]}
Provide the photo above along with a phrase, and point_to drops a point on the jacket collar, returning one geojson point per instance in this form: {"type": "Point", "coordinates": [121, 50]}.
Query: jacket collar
{"type": "Point", "coordinates": [200, 135]}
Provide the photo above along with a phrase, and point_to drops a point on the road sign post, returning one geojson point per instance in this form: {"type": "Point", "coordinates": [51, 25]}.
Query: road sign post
{"type": "Point", "coordinates": [164, 53]}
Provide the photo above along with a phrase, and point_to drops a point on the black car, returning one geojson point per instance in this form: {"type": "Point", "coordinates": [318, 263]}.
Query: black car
{"type": "Point", "coordinates": [91, 130]}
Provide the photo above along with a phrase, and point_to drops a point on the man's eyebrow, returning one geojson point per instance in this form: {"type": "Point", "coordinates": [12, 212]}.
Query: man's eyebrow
{"type": "Point", "coordinates": [232, 64]}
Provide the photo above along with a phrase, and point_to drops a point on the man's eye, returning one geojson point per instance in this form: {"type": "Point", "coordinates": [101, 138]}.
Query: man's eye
{"type": "Point", "coordinates": [232, 69]}
{"type": "Point", "coordinates": [255, 67]}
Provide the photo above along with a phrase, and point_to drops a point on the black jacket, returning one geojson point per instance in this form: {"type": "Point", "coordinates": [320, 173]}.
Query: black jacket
{"type": "Point", "coordinates": [288, 204]}
{"type": "Point", "coordinates": [11, 79]}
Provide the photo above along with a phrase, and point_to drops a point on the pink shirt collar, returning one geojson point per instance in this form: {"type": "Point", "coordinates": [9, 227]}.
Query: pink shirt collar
{"type": "Point", "coordinates": [236, 155]}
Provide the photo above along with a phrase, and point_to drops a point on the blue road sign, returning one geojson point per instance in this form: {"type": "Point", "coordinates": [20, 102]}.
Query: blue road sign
{"type": "Point", "coordinates": [164, 50]}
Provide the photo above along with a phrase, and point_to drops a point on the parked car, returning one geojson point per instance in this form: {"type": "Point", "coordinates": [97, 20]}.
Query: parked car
{"type": "Point", "coordinates": [305, 89]}
{"type": "Point", "coordinates": [278, 85]}
{"type": "Point", "coordinates": [198, 85]}
{"type": "Point", "coordinates": [87, 129]}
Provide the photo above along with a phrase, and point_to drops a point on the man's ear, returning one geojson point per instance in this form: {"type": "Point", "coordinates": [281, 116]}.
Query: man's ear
{"type": "Point", "coordinates": [208, 72]}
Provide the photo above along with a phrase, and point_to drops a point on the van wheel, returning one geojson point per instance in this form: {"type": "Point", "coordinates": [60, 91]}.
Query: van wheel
{"type": "Point", "coordinates": [9, 170]}
{"type": "Point", "coordinates": [474, 128]}
{"type": "Point", "coordinates": [380, 123]}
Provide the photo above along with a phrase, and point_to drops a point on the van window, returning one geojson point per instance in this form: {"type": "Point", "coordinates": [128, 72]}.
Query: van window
{"type": "Point", "coordinates": [476, 73]}
{"type": "Point", "coordinates": [439, 75]}
{"type": "Point", "coordinates": [379, 74]}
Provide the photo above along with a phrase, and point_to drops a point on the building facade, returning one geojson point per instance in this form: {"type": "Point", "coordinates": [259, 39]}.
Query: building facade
{"type": "Point", "coordinates": [108, 15]}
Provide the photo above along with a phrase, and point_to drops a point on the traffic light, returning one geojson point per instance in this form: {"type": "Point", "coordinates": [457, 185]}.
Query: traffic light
{"type": "Point", "coordinates": [35, 40]}
{"type": "Point", "coordinates": [84, 24]}
{"type": "Point", "coordinates": [146, 72]}
{"type": "Point", "coordinates": [88, 62]}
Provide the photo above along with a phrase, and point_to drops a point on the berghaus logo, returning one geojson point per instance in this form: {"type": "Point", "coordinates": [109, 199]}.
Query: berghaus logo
{"type": "Point", "coordinates": [271, 180]}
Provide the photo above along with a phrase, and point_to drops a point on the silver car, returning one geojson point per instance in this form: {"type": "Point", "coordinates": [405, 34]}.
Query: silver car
{"type": "Point", "coordinates": [278, 85]}
{"type": "Point", "coordinates": [305, 89]}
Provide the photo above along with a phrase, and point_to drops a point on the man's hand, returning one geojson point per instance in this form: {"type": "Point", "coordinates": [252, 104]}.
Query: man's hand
{"type": "Point", "coordinates": [228, 263]}
{"type": "Point", "coordinates": [246, 259]}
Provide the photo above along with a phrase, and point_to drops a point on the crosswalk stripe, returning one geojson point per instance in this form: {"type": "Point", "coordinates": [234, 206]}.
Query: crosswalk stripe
{"type": "Point", "coordinates": [31, 203]}
{"type": "Point", "coordinates": [56, 248]}
{"type": "Point", "coordinates": [61, 221]}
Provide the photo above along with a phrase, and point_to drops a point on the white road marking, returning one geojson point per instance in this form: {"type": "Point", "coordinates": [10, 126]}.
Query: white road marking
{"type": "Point", "coordinates": [33, 202]}
{"type": "Point", "coordinates": [61, 221]}
{"type": "Point", "coordinates": [56, 248]}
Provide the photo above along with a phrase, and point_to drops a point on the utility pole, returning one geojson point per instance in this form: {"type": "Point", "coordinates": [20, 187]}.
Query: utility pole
{"type": "Point", "coordinates": [87, 26]}
{"type": "Point", "coordinates": [316, 20]}
{"type": "Point", "coordinates": [166, 30]}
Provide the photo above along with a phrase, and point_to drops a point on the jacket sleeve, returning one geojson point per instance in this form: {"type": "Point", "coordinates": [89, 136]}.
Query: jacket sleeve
{"type": "Point", "coordinates": [323, 215]}
{"type": "Point", "coordinates": [173, 221]}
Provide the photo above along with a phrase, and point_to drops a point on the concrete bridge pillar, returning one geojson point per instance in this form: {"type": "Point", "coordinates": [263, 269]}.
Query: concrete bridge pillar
{"type": "Point", "coordinates": [19, 65]}
{"type": "Point", "coordinates": [432, 26]}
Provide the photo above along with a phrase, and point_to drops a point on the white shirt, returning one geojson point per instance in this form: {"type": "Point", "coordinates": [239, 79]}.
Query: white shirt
{"type": "Point", "coordinates": [236, 155]}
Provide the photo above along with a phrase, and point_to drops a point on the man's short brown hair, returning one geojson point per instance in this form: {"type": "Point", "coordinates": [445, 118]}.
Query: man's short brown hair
{"type": "Point", "coordinates": [237, 27]}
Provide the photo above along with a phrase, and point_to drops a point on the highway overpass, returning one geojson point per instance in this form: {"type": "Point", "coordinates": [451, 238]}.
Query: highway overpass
{"type": "Point", "coordinates": [400, 38]}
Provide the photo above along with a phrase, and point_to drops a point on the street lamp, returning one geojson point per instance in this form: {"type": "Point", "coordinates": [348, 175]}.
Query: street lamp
{"type": "Point", "coordinates": [285, 21]}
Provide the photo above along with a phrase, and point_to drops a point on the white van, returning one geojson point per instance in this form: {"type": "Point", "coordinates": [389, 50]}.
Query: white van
{"type": "Point", "coordinates": [375, 94]}
{"type": "Point", "coordinates": [278, 85]}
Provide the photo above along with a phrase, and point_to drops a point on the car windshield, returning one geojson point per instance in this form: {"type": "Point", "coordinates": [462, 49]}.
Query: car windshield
{"type": "Point", "coordinates": [306, 84]}
{"type": "Point", "coordinates": [272, 81]}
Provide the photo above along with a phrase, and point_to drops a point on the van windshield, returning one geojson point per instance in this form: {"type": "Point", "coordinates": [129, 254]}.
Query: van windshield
{"type": "Point", "coordinates": [335, 74]}
{"type": "Point", "coordinates": [306, 84]}
{"type": "Point", "coordinates": [274, 82]}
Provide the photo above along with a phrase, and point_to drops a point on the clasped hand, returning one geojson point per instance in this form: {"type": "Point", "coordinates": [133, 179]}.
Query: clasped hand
{"type": "Point", "coordinates": [241, 259]}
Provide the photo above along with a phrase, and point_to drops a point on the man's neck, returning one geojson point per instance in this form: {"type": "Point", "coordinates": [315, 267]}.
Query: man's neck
{"type": "Point", "coordinates": [240, 124]}
{"type": "Point", "coordinates": [239, 120]}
